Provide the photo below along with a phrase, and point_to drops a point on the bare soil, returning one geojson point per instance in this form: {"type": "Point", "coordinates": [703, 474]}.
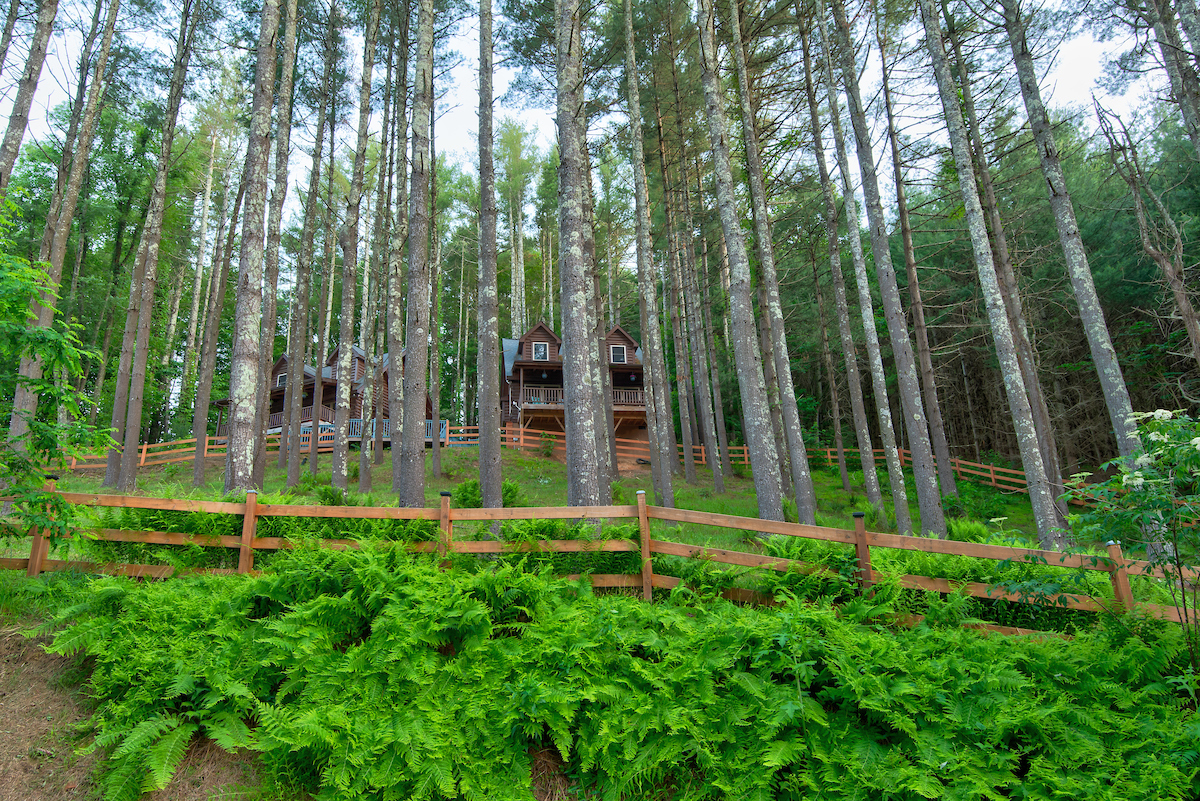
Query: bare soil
{"type": "Point", "coordinates": [43, 723]}
{"type": "Point", "coordinates": [40, 720]}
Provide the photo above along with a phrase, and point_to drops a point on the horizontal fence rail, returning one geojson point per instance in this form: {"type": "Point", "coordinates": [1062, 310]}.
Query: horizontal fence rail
{"type": "Point", "coordinates": [1114, 563]}
{"type": "Point", "coordinates": [553, 443]}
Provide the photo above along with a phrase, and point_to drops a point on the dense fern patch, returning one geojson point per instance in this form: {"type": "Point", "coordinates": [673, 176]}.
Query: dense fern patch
{"type": "Point", "coordinates": [376, 675]}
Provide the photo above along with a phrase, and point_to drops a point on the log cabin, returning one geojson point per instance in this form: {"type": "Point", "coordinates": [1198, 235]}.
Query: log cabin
{"type": "Point", "coordinates": [532, 396]}
{"type": "Point", "coordinates": [324, 409]}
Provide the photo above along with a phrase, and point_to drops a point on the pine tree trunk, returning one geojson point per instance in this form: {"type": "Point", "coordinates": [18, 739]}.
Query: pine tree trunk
{"type": "Point", "coordinates": [148, 253]}
{"type": "Point", "coordinates": [887, 433]}
{"type": "Point", "coordinates": [1104, 355]}
{"type": "Point", "coordinates": [682, 357]}
{"type": "Point", "coordinates": [1045, 513]}
{"type": "Point", "coordinates": [24, 399]}
{"type": "Point", "coordinates": [300, 334]}
{"type": "Point", "coordinates": [350, 266]}
{"type": "Point", "coordinates": [834, 400]}
{"type": "Point", "coordinates": [764, 459]}
{"type": "Point", "coordinates": [488, 358]}
{"type": "Point", "coordinates": [1185, 86]}
{"type": "Point", "coordinates": [806, 498]}
{"type": "Point", "coordinates": [700, 376]}
{"type": "Point", "coordinates": [245, 382]}
{"type": "Point", "coordinates": [435, 314]}
{"type": "Point", "coordinates": [369, 400]}
{"type": "Point", "coordinates": [326, 309]}
{"type": "Point", "coordinates": [718, 404]}
{"type": "Point", "coordinates": [581, 395]}
{"type": "Point", "coordinates": [381, 229]}
{"type": "Point", "coordinates": [416, 368]}
{"type": "Point", "coordinates": [18, 118]}
{"type": "Point", "coordinates": [53, 212]}
{"type": "Point", "coordinates": [283, 152]}
{"type": "Point", "coordinates": [1009, 287]}
{"type": "Point", "coordinates": [10, 22]}
{"type": "Point", "coordinates": [601, 372]}
{"type": "Point", "coordinates": [661, 450]}
{"type": "Point", "coordinates": [937, 429]}
{"type": "Point", "coordinates": [520, 315]}
{"type": "Point", "coordinates": [187, 391]}
{"type": "Point", "coordinates": [396, 280]}
{"type": "Point", "coordinates": [929, 497]}
{"type": "Point", "coordinates": [222, 255]}
{"type": "Point", "coordinates": [1187, 18]}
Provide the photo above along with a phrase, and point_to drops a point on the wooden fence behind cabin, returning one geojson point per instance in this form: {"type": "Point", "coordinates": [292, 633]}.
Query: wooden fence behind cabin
{"type": "Point", "coordinates": [553, 443]}
{"type": "Point", "coordinates": [862, 541]}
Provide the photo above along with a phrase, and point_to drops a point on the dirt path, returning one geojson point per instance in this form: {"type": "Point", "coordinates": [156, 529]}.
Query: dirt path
{"type": "Point", "coordinates": [39, 724]}
{"type": "Point", "coordinates": [42, 717]}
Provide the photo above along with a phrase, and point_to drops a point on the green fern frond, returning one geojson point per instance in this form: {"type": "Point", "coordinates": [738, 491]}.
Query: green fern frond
{"type": "Point", "coordinates": [164, 757]}
{"type": "Point", "coordinates": [123, 783]}
{"type": "Point", "coordinates": [145, 733]}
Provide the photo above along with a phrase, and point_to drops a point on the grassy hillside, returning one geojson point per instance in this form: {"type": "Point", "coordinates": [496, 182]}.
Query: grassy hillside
{"type": "Point", "coordinates": [543, 482]}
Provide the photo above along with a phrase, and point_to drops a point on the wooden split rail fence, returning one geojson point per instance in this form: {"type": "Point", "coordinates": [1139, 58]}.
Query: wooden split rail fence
{"type": "Point", "coordinates": [528, 439]}
{"type": "Point", "coordinates": [862, 541]}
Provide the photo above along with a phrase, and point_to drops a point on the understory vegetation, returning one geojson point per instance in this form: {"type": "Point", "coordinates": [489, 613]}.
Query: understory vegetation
{"type": "Point", "coordinates": [374, 674]}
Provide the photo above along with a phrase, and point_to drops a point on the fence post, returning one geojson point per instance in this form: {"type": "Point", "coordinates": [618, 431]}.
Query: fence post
{"type": "Point", "coordinates": [647, 564]}
{"type": "Point", "coordinates": [249, 524]}
{"type": "Point", "coordinates": [445, 530]}
{"type": "Point", "coordinates": [40, 546]}
{"type": "Point", "coordinates": [1120, 579]}
{"type": "Point", "coordinates": [992, 471]}
{"type": "Point", "coordinates": [37, 553]}
{"type": "Point", "coordinates": [862, 551]}
{"type": "Point", "coordinates": [145, 447]}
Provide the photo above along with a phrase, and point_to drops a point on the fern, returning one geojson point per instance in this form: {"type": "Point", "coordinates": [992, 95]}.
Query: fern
{"type": "Point", "coordinates": [164, 757]}
{"type": "Point", "coordinates": [375, 674]}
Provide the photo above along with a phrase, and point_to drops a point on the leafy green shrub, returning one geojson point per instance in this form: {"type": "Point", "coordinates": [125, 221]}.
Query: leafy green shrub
{"type": "Point", "coordinates": [373, 674]}
{"type": "Point", "coordinates": [469, 494]}
{"type": "Point", "coordinates": [546, 444]}
{"type": "Point", "coordinates": [1151, 503]}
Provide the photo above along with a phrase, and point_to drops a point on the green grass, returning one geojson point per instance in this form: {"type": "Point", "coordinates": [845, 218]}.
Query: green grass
{"type": "Point", "coordinates": [543, 482]}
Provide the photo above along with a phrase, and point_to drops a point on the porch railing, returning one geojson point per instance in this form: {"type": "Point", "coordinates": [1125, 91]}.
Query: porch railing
{"type": "Point", "coordinates": [553, 396]}
{"type": "Point", "coordinates": [306, 415]}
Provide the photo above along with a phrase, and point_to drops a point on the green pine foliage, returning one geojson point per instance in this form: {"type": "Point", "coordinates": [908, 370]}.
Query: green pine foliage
{"type": "Point", "coordinates": [375, 674]}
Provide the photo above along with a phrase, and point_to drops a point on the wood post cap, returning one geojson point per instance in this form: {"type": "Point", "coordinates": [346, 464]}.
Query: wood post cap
{"type": "Point", "coordinates": [860, 514]}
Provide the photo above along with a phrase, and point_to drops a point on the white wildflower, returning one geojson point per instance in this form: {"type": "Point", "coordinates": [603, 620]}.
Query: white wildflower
{"type": "Point", "coordinates": [1134, 480]}
{"type": "Point", "coordinates": [1162, 414]}
{"type": "Point", "coordinates": [1145, 460]}
{"type": "Point", "coordinates": [1196, 442]}
{"type": "Point", "coordinates": [1157, 437]}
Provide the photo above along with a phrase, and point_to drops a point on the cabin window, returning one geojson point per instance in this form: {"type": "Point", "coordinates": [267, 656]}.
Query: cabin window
{"type": "Point", "coordinates": [541, 352]}
{"type": "Point", "coordinates": [281, 381]}
{"type": "Point", "coordinates": [618, 354]}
